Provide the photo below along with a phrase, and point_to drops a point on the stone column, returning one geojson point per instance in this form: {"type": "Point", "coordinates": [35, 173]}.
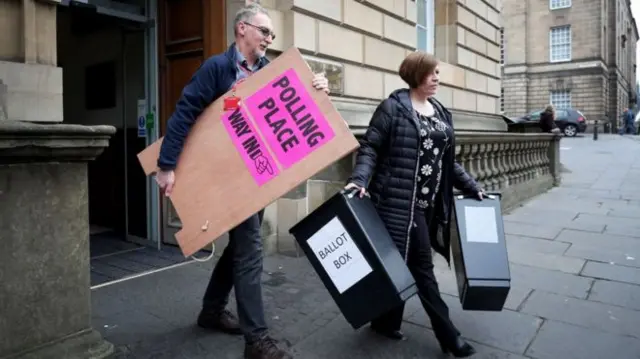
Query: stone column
{"type": "Point", "coordinates": [44, 234]}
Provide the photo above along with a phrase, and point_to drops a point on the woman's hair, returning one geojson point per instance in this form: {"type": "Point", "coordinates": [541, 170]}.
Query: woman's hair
{"type": "Point", "coordinates": [416, 67]}
{"type": "Point", "coordinates": [550, 109]}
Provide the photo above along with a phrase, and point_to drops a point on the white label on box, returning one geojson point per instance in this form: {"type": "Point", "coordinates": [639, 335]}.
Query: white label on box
{"type": "Point", "coordinates": [481, 224]}
{"type": "Point", "coordinates": [339, 255]}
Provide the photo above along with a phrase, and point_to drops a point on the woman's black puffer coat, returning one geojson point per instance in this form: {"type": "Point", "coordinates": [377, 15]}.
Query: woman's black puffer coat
{"type": "Point", "coordinates": [388, 157]}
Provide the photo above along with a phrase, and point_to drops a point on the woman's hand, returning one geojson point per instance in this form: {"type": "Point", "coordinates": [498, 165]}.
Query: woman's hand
{"type": "Point", "coordinates": [362, 191]}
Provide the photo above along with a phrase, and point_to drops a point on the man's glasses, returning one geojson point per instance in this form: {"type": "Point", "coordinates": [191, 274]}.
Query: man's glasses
{"type": "Point", "coordinates": [263, 30]}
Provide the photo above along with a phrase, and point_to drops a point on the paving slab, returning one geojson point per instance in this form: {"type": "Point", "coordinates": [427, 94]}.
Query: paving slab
{"type": "Point", "coordinates": [589, 220]}
{"type": "Point", "coordinates": [531, 230]}
{"type": "Point", "coordinates": [565, 341]}
{"type": "Point", "coordinates": [563, 201]}
{"type": "Point", "coordinates": [633, 211]}
{"type": "Point", "coordinates": [588, 194]}
{"type": "Point", "coordinates": [553, 218]}
{"type": "Point", "coordinates": [612, 272]}
{"type": "Point", "coordinates": [628, 231]}
{"type": "Point", "coordinates": [507, 330]}
{"type": "Point", "coordinates": [536, 245]}
{"type": "Point", "coordinates": [338, 340]}
{"type": "Point", "coordinates": [606, 254]}
{"type": "Point", "coordinates": [620, 294]}
{"type": "Point", "coordinates": [617, 204]}
{"type": "Point", "coordinates": [547, 261]}
{"type": "Point", "coordinates": [550, 281]}
{"type": "Point", "coordinates": [610, 241]}
{"type": "Point", "coordinates": [600, 316]}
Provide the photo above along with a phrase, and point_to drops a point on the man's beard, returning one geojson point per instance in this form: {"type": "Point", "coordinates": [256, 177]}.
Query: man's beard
{"type": "Point", "coordinates": [259, 52]}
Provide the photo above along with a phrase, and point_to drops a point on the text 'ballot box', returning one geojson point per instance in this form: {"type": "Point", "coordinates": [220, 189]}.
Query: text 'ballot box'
{"type": "Point", "coordinates": [480, 254]}
{"type": "Point", "coordinates": [351, 250]}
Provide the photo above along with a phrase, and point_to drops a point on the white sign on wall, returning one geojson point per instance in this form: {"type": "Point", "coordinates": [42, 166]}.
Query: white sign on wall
{"type": "Point", "coordinates": [339, 255]}
{"type": "Point", "coordinates": [142, 119]}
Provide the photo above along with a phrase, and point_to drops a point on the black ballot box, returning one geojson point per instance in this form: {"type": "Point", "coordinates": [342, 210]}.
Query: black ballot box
{"type": "Point", "coordinates": [479, 251]}
{"type": "Point", "coordinates": [350, 248]}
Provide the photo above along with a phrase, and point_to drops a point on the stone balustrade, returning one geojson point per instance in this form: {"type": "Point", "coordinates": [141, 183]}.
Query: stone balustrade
{"type": "Point", "coordinates": [520, 165]}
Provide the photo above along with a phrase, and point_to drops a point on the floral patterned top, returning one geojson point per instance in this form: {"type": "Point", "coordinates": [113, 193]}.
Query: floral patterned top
{"type": "Point", "coordinates": [435, 138]}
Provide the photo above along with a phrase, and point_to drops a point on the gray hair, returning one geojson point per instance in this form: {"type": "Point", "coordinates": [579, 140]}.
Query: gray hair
{"type": "Point", "coordinates": [247, 13]}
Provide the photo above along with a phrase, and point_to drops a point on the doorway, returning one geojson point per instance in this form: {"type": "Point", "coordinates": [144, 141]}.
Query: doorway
{"type": "Point", "coordinates": [105, 77]}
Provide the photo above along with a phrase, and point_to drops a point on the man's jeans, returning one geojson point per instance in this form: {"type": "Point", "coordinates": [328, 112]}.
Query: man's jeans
{"type": "Point", "coordinates": [627, 127]}
{"type": "Point", "coordinates": [240, 266]}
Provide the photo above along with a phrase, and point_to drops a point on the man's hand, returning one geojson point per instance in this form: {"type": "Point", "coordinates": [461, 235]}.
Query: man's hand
{"type": "Point", "coordinates": [320, 82]}
{"type": "Point", "coordinates": [165, 180]}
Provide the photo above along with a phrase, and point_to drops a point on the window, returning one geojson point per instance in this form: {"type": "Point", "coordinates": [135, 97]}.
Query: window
{"type": "Point", "coordinates": [560, 44]}
{"type": "Point", "coordinates": [559, 4]}
{"type": "Point", "coordinates": [561, 99]}
{"type": "Point", "coordinates": [425, 25]}
{"type": "Point", "coordinates": [502, 46]}
{"type": "Point", "coordinates": [501, 99]}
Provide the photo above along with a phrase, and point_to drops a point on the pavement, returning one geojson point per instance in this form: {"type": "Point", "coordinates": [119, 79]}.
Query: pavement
{"type": "Point", "coordinates": [575, 267]}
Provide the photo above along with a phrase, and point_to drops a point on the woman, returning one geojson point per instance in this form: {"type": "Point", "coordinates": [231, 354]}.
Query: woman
{"type": "Point", "coordinates": [408, 155]}
{"type": "Point", "coordinates": [548, 120]}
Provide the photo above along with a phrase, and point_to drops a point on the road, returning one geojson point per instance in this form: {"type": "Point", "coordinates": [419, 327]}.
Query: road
{"type": "Point", "coordinates": [575, 266]}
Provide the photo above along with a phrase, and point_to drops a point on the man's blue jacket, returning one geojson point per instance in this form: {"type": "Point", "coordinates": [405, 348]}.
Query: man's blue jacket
{"type": "Point", "coordinates": [213, 79]}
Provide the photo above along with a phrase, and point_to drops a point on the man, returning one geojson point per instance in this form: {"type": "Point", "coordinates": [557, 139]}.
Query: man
{"type": "Point", "coordinates": [627, 122]}
{"type": "Point", "coordinates": [240, 266]}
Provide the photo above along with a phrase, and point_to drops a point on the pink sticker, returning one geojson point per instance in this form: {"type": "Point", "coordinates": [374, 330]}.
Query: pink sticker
{"type": "Point", "coordinates": [289, 119]}
{"type": "Point", "coordinates": [250, 146]}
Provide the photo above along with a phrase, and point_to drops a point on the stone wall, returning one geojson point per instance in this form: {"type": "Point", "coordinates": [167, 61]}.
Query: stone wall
{"type": "Point", "coordinates": [516, 94]}
{"type": "Point", "coordinates": [28, 58]}
{"type": "Point", "coordinates": [466, 41]}
{"type": "Point", "coordinates": [586, 91]}
{"type": "Point", "coordinates": [599, 71]}
{"type": "Point", "coordinates": [375, 36]}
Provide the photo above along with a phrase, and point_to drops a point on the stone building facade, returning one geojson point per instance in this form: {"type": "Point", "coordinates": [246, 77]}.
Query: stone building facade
{"type": "Point", "coordinates": [577, 54]}
{"type": "Point", "coordinates": [360, 46]}
{"type": "Point", "coordinates": [81, 65]}
{"type": "Point", "coordinates": [155, 45]}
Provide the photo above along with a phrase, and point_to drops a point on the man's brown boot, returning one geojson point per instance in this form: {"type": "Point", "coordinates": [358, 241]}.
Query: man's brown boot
{"type": "Point", "coordinates": [265, 348]}
{"type": "Point", "coordinates": [223, 321]}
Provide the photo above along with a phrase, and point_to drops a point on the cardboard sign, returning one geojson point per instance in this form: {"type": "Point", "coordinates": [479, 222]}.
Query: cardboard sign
{"type": "Point", "coordinates": [238, 159]}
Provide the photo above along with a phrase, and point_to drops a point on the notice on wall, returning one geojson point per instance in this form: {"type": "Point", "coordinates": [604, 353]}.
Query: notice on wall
{"type": "Point", "coordinates": [339, 255]}
{"type": "Point", "coordinates": [237, 161]}
{"type": "Point", "coordinates": [481, 224]}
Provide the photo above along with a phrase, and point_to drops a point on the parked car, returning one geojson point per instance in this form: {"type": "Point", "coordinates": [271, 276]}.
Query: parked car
{"type": "Point", "coordinates": [569, 121]}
